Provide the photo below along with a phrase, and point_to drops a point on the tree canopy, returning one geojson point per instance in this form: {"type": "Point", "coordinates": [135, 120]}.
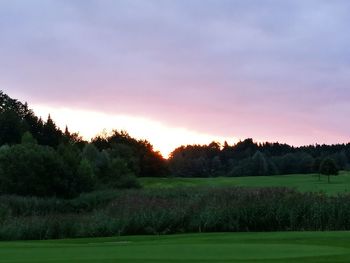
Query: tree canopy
{"type": "Point", "coordinates": [38, 158]}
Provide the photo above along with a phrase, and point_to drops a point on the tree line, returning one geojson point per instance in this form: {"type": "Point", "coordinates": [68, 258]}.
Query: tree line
{"type": "Point", "coordinates": [38, 158]}
{"type": "Point", "coordinates": [248, 158]}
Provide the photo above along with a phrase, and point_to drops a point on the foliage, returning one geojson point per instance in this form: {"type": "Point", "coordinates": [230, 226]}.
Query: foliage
{"type": "Point", "coordinates": [35, 170]}
{"type": "Point", "coordinates": [177, 211]}
{"type": "Point", "coordinates": [328, 167]}
{"type": "Point", "coordinates": [247, 158]}
{"type": "Point", "coordinates": [27, 138]}
{"type": "Point", "coordinates": [139, 155]}
{"type": "Point", "coordinates": [38, 159]}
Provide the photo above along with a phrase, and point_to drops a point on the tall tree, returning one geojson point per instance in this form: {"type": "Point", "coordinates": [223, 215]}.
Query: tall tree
{"type": "Point", "coordinates": [52, 136]}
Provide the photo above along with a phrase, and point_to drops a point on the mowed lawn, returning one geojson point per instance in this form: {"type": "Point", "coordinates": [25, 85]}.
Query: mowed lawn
{"type": "Point", "coordinates": [224, 247]}
{"type": "Point", "coordinates": [301, 182]}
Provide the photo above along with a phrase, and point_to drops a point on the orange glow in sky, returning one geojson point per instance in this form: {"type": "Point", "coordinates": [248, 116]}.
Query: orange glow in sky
{"type": "Point", "coordinates": [89, 123]}
{"type": "Point", "coordinates": [277, 71]}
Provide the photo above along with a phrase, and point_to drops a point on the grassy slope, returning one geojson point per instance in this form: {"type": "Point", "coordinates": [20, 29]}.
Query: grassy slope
{"type": "Point", "coordinates": [305, 183]}
{"type": "Point", "coordinates": [239, 247]}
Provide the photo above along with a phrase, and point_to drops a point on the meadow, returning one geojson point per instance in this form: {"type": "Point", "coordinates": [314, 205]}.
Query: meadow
{"type": "Point", "coordinates": [301, 182]}
{"type": "Point", "coordinates": [240, 219]}
{"type": "Point", "coordinates": [286, 247]}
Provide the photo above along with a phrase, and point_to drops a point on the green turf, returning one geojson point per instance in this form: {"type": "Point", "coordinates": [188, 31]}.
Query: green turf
{"type": "Point", "coordinates": [226, 247]}
{"type": "Point", "coordinates": [301, 182]}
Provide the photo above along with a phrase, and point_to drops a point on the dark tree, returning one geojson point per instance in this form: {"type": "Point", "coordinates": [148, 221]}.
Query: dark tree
{"type": "Point", "coordinates": [328, 167]}
{"type": "Point", "coordinates": [139, 155]}
{"type": "Point", "coordinates": [52, 136]}
{"type": "Point", "coordinates": [33, 170]}
{"type": "Point", "coordinates": [11, 127]}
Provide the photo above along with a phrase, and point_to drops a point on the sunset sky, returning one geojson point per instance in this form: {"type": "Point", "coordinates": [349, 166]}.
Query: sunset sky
{"type": "Point", "coordinates": [183, 71]}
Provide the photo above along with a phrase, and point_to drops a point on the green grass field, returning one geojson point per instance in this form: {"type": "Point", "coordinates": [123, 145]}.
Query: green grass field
{"type": "Point", "coordinates": [286, 247]}
{"type": "Point", "coordinates": [302, 182]}
{"type": "Point", "coordinates": [226, 247]}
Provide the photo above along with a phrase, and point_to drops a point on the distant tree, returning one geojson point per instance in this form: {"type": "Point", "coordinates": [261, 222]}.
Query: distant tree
{"type": "Point", "coordinates": [328, 167]}
{"type": "Point", "coordinates": [34, 125]}
{"type": "Point", "coordinates": [140, 156]}
{"type": "Point", "coordinates": [73, 138]}
{"type": "Point", "coordinates": [27, 138]}
{"type": "Point", "coordinates": [9, 104]}
{"type": "Point", "coordinates": [152, 163]}
{"type": "Point", "coordinates": [52, 136]}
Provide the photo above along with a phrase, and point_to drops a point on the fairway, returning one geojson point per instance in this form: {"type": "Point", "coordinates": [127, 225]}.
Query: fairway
{"type": "Point", "coordinates": [301, 182]}
{"type": "Point", "coordinates": [225, 247]}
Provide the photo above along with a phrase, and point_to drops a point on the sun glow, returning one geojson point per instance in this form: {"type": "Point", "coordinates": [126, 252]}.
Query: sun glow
{"type": "Point", "coordinates": [90, 123]}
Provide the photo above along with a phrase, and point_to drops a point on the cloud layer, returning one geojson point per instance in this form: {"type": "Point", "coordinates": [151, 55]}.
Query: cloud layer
{"type": "Point", "coordinates": [269, 69]}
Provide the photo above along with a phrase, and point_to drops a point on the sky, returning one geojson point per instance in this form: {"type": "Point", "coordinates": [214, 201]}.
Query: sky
{"type": "Point", "coordinates": [183, 71]}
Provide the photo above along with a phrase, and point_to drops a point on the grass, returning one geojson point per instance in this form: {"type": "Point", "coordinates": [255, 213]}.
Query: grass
{"type": "Point", "coordinates": [224, 247]}
{"type": "Point", "coordinates": [301, 182]}
{"type": "Point", "coordinates": [272, 247]}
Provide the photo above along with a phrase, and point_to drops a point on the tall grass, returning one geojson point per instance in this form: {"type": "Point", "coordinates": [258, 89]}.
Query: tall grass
{"type": "Point", "coordinates": [172, 211]}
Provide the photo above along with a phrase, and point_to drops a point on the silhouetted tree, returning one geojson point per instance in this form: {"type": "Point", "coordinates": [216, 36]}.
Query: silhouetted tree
{"type": "Point", "coordinates": [328, 167]}
{"type": "Point", "coordinates": [11, 127]}
{"type": "Point", "coordinates": [52, 136]}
